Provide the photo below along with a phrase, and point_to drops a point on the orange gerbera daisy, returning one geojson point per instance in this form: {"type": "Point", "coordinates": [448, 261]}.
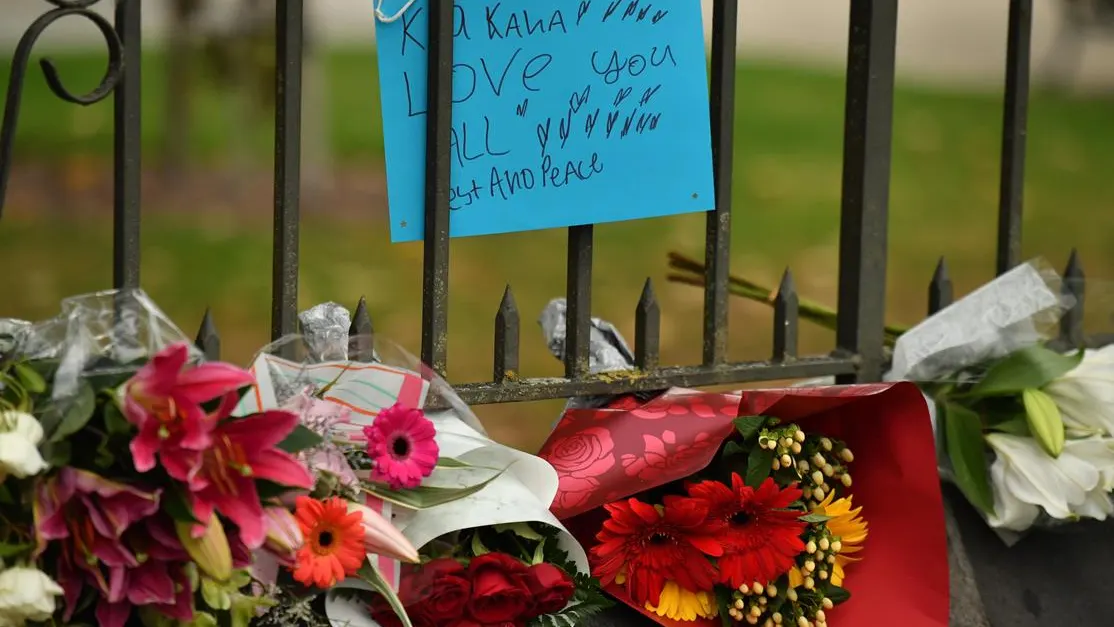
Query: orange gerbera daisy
{"type": "Point", "coordinates": [334, 542]}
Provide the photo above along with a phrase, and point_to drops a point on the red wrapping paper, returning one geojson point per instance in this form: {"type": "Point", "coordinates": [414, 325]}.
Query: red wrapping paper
{"type": "Point", "coordinates": [603, 455]}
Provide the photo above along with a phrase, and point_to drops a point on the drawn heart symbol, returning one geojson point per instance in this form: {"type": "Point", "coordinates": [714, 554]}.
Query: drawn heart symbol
{"type": "Point", "coordinates": [623, 94]}
{"type": "Point", "coordinates": [578, 100]}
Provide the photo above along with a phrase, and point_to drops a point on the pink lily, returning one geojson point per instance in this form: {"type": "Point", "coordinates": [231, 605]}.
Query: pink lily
{"type": "Point", "coordinates": [383, 538]}
{"type": "Point", "coordinates": [164, 401]}
{"type": "Point", "coordinates": [284, 536]}
{"type": "Point", "coordinates": [243, 451]}
{"type": "Point", "coordinates": [91, 516]}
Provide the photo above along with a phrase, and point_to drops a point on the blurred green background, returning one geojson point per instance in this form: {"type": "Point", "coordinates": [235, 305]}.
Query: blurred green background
{"type": "Point", "coordinates": [207, 236]}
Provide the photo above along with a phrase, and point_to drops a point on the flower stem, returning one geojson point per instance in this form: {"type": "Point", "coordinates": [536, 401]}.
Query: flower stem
{"type": "Point", "coordinates": [691, 272]}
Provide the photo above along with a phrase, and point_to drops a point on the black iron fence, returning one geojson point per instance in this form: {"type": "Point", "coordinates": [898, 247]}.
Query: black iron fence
{"type": "Point", "coordinates": [858, 354]}
{"type": "Point", "coordinates": [1014, 580]}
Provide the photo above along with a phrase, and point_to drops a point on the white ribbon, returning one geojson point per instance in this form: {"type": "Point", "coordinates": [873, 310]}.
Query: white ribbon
{"type": "Point", "coordinates": [387, 19]}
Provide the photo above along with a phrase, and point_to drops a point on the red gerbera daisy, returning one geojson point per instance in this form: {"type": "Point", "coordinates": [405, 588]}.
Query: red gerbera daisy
{"type": "Point", "coordinates": [642, 546]}
{"type": "Point", "coordinates": [761, 538]}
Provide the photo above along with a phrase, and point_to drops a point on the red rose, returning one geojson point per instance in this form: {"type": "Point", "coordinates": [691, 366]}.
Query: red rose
{"type": "Point", "coordinates": [499, 590]}
{"type": "Point", "coordinates": [445, 590]}
{"type": "Point", "coordinates": [432, 594]}
{"type": "Point", "coordinates": [552, 588]}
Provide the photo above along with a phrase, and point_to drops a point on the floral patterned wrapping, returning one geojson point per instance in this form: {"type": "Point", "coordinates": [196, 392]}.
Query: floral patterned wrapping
{"type": "Point", "coordinates": [617, 451]}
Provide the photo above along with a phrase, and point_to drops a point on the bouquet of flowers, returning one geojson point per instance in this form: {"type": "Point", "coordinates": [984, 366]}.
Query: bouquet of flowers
{"type": "Point", "coordinates": [130, 487]}
{"type": "Point", "coordinates": [1025, 423]}
{"type": "Point", "coordinates": [138, 482]}
{"type": "Point", "coordinates": [1023, 419]}
{"type": "Point", "coordinates": [711, 507]}
{"type": "Point", "coordinates": [510, 574]}
{"type": "Point", "coordinates": [490, 552]}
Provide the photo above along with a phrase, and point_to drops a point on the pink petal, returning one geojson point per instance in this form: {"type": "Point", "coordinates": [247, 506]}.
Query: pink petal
{"type": "Point", "coordinates": [158, 375]}
{"type": "Point", "coordinates": [151, 583]}
{"type": "Point", "coordinates": [196, 426]}
{"type": "Point", "coordinates": [113, 614]}
{"type": "Point", "coordinates": [261, 431]}
{"type": "Point", "coordinates": [242, 507]}
{"type": "Point", "coordinates": [112, 553]}
{"type": "Point", "coordinates": [182, 607]}
{"type": "Point", "coordinates": [117, 584]}
{"type": "Point", "coordinates": [145, 445]}
{"type": "Point", "coordinates": [182, 464]}
{"type": "Point", "coordinates": [134, 412]}
{"type": "Point", "coordinates": [282, 468]}
{"type": "Point", "coordinates": [208, 381]}
{"type": "Point", "coordinates": [72, 585]}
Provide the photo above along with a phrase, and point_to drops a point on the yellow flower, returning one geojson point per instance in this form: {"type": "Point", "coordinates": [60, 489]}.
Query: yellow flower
{"type": "Point", "coordinates": [846, 525]}
{"type": "Point", "coordinates": [676, 603]}
{"type": "Point", "coordinates": [796, 577]}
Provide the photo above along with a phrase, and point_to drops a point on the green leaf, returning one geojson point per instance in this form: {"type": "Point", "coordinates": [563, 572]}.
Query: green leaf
{"type": "Point", "coordinates": [814, 519]}
{"type": "Point", "coordinates": [539, 554]}
{"type": "Point", "coordinates": [759, 465]}
{"type": "Point", "coordinates": [10, 549]}
{"type": "Point", "coordinates": [731, 449]}
{"type": "Point", "coordinates": [215, 595]}
{"type": "Point", "coordinates": [725, 601]}
{"type": "Point", "coordinates": [370, 574]}
{"type": "Point", "coordinates": [1017, 425]}
{"type": "Point", "coordinates": [300, 439]}
{"type": "Point", "coordinates": [114, 421]}
{"type": "Point", "coordinates": [836, 594]}
{"type": "Point", "coordinates": [78, 413]}
{"type": "Point", "coordinates": [31, 380]}
{"type": "Point", "coordinates": [58, 454]}
{"type": "Point", "coordinates": [520, 529]}
{"type": "Point", "coordinates": [269, 489]}
{"type": "Point", "coordinates": [6, 495]}
{"type": "Point", "coordinates": [425, 497]}
{"type": "Point", "coordinates": [478, 547]}
{"type": "Point", "coordinates": [104, 457]}
{"type": "Point", "coordinates": [964, 444]}
{"type": "Point", "coordinates": [176, 506]}
{"type": "Point", "coordinates": [1031, 367]}
{"type": "Point", "coordinates": [749, 426]}
{"type": "Point", "coordinates": [449, 462]}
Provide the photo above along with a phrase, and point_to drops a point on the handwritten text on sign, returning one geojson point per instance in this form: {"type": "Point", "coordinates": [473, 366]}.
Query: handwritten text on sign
{"type": "Point", "coordinates": [565, 112]}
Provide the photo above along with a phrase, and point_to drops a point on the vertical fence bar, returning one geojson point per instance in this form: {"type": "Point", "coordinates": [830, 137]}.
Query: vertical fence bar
{"type": "Point", "coordinates": [866, 185]}
{"type": "Point", "coordinates": [126, 150]}
{"type": "Point", "coordinates": [578, 292]}
{"type": "Point", "coordinates": [435, 275]}
{"type": "Point", "coordinates": [288, 160]}
{"type": "Point", "coordinates": [717, 251]}
{"type": "Point", "coordinates": [1014, 129]}
{"type": "Point", "coordinates": [1074, 287]}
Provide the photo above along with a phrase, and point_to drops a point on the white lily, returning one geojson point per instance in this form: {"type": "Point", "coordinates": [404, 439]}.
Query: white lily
{"type": "Point", "coordinates": [1085, 394]}
{"type": "Point", "coordinates": [20, 435]}
{"type": "Point", "coordinates": [1026, 480]}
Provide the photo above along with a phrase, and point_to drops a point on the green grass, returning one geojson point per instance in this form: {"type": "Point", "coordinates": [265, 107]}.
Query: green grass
{"type": "Point", "coordinates": [788, 163]}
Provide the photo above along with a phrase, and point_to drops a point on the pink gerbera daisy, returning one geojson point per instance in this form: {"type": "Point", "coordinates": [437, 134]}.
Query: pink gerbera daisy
{"type": "Point", "coordinates": [401, 445]}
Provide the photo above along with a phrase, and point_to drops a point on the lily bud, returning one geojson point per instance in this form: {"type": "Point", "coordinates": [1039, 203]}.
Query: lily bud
{"type": "Point", "coordinates": [210, 551]}
{"type": "Point", "coordinates": [284, 536]}
{"type": "Point", "coordinates": [382, 538]}
{"type": "Point", "coordinates": [1045, 421]}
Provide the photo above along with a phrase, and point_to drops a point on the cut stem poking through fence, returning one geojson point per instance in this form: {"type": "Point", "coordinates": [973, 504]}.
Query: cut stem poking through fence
{"type": "Point", "coordinates": [691, 272]}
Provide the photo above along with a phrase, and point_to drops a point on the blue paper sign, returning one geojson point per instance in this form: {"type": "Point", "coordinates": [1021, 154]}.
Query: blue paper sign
{"type": "Point", "coordinates": [566, 112]}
